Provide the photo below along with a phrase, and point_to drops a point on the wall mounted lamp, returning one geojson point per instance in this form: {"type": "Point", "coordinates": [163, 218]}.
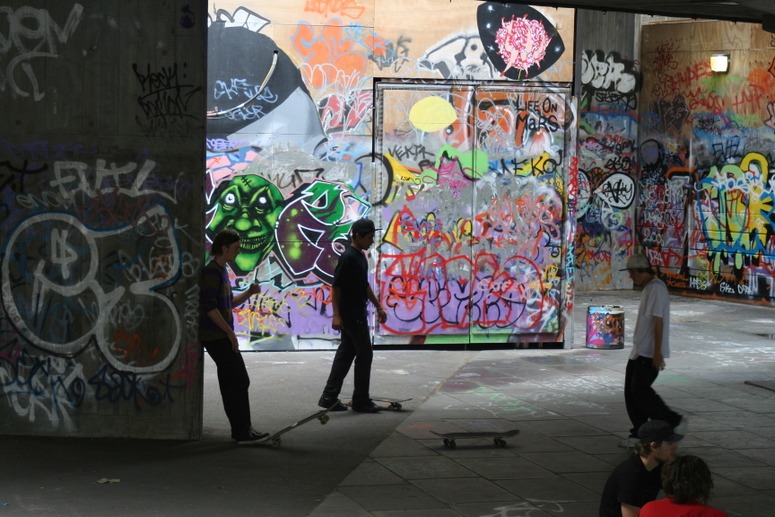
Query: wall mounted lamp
{"type": "Point", "coordinates": [719, 63]}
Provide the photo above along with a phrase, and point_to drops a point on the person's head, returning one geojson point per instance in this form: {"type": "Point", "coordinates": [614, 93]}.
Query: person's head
{"type": "Point", "coordinates": [226, 245]}
{"type": "Point", "coordinates": [639, 268]}
{"type": "Point", "coordinates": [687, 479]}
{"type": "Point", "coordinates": [362, 233]}
{"type": "Point", "coordinates": [657, 439]}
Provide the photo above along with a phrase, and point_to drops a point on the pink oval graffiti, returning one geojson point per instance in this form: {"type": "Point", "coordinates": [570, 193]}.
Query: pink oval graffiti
{"type": "Point", "coordinates": [522, 43]}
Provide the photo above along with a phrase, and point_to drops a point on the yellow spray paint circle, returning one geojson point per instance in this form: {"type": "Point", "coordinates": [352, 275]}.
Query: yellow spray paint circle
{"type": "Point", "coordinates": [432, 114]}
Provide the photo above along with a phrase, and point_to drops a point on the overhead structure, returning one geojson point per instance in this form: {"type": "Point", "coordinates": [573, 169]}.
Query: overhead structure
{"type": "Point", "coordinates": [749, 11]}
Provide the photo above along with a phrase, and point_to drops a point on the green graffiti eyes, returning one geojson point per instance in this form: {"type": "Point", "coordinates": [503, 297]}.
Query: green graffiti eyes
{"type": "Point", "coordinates": [250, 205]}
{"type": "Point", "coordinates": [229, 201]}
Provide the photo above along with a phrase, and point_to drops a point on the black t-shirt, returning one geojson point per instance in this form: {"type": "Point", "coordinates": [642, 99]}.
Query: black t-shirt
{"type": "Point", "coordinates": [629, 483]}
{"type": "Point", "coordinates": [351, 277]}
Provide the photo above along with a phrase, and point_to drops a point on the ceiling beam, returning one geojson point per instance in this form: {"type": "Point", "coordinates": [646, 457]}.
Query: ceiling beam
{"type": "Point", "coordinates": [738, 11]}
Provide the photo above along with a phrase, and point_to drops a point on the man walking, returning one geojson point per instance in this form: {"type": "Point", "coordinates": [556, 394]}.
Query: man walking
{"type": "Point", "coordinates": [351, 291]}
{"type": "Point", "coordinates": [651, 346]}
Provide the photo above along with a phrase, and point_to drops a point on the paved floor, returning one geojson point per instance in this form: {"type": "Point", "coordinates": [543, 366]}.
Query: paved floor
{"type": "Point", "coordinates": [567, 404]}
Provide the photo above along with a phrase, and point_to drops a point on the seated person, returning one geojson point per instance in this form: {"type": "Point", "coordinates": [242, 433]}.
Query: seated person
{"type": "Point", "coordinates": [687, 482]}
{"type": "Point", "coordinates": [636, 481]}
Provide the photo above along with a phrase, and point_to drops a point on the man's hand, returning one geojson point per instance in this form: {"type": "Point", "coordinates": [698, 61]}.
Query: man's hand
{"type": "Point", "coordinates": [336, 323]}
{"type": "Point", "coordinates": [381, 315]}
{"type": "Point", "coordinates": [658, 361]}
{"type": "Point", "coordinates": [233, 340]}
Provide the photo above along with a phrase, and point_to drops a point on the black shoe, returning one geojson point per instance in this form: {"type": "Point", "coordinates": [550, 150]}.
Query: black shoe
{"type": "Point", "coordinates": [332, 405]}
{"type": "Point", "coordinates": [338, 406]}
{"type": "Point", "coordinates": [252, 436]}
{"type": "Point", "coordinates": [369, 407]}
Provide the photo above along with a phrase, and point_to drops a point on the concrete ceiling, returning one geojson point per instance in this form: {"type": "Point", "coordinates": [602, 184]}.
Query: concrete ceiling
{"type": "Point", "coordinates": [751, 11]}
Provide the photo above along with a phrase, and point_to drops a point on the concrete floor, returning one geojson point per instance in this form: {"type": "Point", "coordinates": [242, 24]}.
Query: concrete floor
{"type": "Point", "coordinates": [567, 404]}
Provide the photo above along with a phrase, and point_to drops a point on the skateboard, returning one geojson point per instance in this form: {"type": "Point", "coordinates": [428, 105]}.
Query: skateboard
{"type": "Point", "coordinates": [392, 404]}
{"type": "Point", "coordinates": [497, 436]}
{"type": "Point", "coordinates": [275, 439]}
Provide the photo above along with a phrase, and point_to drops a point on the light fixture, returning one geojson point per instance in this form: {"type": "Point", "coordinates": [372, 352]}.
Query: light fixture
{"type": "Point", "coordinates": [719, 63]}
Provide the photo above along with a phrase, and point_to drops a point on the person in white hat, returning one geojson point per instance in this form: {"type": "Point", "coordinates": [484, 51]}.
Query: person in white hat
{"type": "Point", "coordinates": [650, 348]}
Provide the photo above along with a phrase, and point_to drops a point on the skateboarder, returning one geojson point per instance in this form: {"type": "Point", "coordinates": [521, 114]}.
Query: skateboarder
{"type": "Point", "coordinates": [351, 291]}
{"type": "Point", "coordinates": [216, 331]}
{"type": "Point", "coordinates": [651, 346]}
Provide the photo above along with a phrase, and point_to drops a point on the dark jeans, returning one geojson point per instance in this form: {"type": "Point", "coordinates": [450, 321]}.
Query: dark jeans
{"type": "Point", "coordinates": [355, 345]}
{"type": "Point", "coordinates": [642, 401]}
{"type": "Point", "coordinates": [233, 381]}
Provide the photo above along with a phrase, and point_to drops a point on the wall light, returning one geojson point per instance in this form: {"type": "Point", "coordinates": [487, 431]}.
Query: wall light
{"type": "Point", "coordinates": [719, 63]}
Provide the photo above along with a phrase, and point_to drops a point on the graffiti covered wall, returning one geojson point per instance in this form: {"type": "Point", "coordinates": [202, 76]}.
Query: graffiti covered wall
{"type": "Point", "coordinates": [100, 232]}
{"type": "Point", "coordinates": [292, 162]}
{"type": "Point", "coordinates": [706, 211]}
{"type": "Point", "coordinates": [468, 250]}
{"type": "Point", "coordinates": [608, 83]}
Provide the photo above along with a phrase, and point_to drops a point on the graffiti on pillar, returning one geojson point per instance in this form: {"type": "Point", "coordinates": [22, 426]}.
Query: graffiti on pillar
{"type": "Point", "coordinates": [90, 253]}
{"type": "Point", "coordinates": [29, 37]}
{"type": "Point", "coordinates": [166, 99]}
{"type": "Point", "coordinates": [608, 123]}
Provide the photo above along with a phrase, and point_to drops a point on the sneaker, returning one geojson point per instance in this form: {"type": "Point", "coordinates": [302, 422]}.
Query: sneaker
{"type": "Point", "coordinates": [332, 405]}
{"type": "Point", "coordinates": [253, 436]}
{"type": "Point", "coordinates": [338, 406]}
{"type": "Point", "coordinates": [369, 407]}
{"type": "Point", "coordinates": [629, 443]}
{"type": "Point", "coordinates": [682, 427]}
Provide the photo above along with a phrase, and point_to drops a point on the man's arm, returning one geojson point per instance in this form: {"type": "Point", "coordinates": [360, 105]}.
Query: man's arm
{"type": "Point", "coordinates": [659, 327]}
{"type": "Point", "coordinates": [239, 299]}
{"type": "Point", "coordinates": [217, 318]}
{"type": "Point", "coordinates": [629, 511]}
{"type": "Point", "coordinates": [381, 314]}
{"type": "Point", "coordinates": [336, 322]}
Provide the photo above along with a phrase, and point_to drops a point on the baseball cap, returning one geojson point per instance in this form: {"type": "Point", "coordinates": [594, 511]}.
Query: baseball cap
{"type": "Point", "coordinates": [637, 261]}
{"type": "Point", "coordinates": [363, 226]}
{"type": "Point", "coordinates": [657, 431]}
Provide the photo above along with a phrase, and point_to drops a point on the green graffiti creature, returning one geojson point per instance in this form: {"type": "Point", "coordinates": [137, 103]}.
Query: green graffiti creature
{"type": "Point", "coordinates": [250, 205]}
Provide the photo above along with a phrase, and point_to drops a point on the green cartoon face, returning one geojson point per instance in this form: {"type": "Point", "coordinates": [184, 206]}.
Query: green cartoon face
{"type": "Point", "coordinates": [250, 206]}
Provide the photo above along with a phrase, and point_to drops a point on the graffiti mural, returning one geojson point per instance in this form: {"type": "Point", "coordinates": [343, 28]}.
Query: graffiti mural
{"type": "Point", "coordinates": [292, 163]}
{"type": "Point", "coordinates": [87, 273]}
{"type": "Point", "coordinates": [31, 37]}
{"type": "Point", "coordinates": [474, 241]}
{"type": "Point", "coordinates": [706, 212]}
{"type": "Point", "coordinates": [518, 39]}
{"type": "Point", "coordinates": [608, 129]}
{"type": "Point", "coordinates": [100, 221]}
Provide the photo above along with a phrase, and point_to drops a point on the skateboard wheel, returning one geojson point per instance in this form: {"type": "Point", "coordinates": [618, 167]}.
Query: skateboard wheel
{"type": "Point", "coordinates": [499, 442]}
{"type": "Point", "coordinates": [276, 443]}
{"type": "Point", "coordinates": [323, 419]}
{"type": "Point", "coordinates": [449, 444]}
{"type": "Point", "coordinates": [396, 406]}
